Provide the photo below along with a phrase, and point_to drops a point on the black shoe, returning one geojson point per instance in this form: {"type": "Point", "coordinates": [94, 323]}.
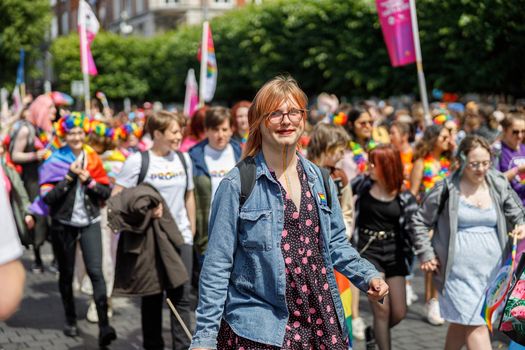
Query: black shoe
{"type": "Point", "coordinates": [37, 268]}
{"type": "Point", "coordinates": [370, 340]}
{"type": "Point", "coordinates": [106, 335]}
{"type": "Point", "coordinates": [71, 330]}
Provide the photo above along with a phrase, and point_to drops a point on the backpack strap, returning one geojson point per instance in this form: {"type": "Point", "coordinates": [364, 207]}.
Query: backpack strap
{"type": "Point", "coordinates": [185, 165]}
{"type": "Point", "coordinates": [325, 174]}
{"type": "Point", "coordinates": [144, 165]}
{"type": "Point", "coordinates": [247, 171]}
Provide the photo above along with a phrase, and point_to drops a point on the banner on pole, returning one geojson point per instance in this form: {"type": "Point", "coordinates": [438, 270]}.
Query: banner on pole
{"type": "Point", "coordinates": [87, 21]}
{"type": "Point", "coordinates": [191, 98]}
{"type": "Point", "coordinates": [210, 83]}
{"type": "Point", "coordinates": [20, 69]}
{"type": "Point", "coordinates": [396, 24]}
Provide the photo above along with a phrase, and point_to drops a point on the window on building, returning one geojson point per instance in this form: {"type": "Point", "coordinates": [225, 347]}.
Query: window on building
{"type": "Point", "coordinates": [222, 1]}
{"type": "Point", "coordinates": [139, 6]}
{"type": "Point", "coordinates": [172, 1]}
{"type": "Point", "coordinates": [54, 28]}
{"type": "Point", "coordinates": [116, 10]}
{"type": "Point", "coordinates": [64, 23]}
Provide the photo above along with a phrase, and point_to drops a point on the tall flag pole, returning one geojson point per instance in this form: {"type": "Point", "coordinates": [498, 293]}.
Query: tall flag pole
{"type": "Point", "coordinates": [20, 80]}
{"type": "Point", "coordinates": [191, 98]}
{"type": "Point", "coordinates": [208, 70]}
{"type": "Point", "coordinates": [419, 63]}
{"type": "Point", "coordinates": [398, 20]}
{"type": "Point", "coordinates": [88, 27]}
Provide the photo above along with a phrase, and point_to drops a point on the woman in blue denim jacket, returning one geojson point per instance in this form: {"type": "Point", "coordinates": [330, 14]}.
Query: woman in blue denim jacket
{"type": "Point", "coordinates": [267, 280]}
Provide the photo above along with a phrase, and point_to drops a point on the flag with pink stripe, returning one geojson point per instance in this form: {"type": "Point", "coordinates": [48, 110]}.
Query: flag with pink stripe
{"type": "Point", "coordinates": [87, 21]}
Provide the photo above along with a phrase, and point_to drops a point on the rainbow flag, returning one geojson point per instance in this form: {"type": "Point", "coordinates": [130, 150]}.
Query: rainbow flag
{"type": "Point", "coordinates": [343, 284]}
{"type": "Point", "coordinates": [55, 168]}
{"type": "Point", "coordinates": [208, 83]}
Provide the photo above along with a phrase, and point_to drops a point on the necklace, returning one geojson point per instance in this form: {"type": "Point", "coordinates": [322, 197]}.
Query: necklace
{"type": "Point", "coordinates": [430, 176]}
{"type": "Point", "coordinates": [359, 154]}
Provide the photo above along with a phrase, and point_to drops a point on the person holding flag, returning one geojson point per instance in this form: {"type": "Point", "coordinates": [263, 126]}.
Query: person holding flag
{"type": "Point", "coordinates": [468, 212]}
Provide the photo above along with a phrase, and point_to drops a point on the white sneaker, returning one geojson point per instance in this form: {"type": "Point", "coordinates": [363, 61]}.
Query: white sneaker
{"type": "Point", "coordinates": [358, 328]}
{"type": "Point", "coordinates": [410, 295]}
{"type": "Point", "coordinates": [92, 315]}
{"type": "Point", "coordinates": [432, 312]}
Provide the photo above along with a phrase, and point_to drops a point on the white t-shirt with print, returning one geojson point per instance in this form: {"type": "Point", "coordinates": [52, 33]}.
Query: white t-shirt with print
{"type": "Point", "coordinates": [10, 248]}
{"type": "Point", "coordinates": [219, 163]}
{"type": "Point", "coordinates": [167, 175]}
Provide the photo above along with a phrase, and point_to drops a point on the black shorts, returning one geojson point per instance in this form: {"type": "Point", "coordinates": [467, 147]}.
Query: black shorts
{"type": "Point", "coordinates": [386, 255]}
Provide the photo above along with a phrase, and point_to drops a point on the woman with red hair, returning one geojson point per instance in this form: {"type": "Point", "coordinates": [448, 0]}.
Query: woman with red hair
{"type": "Point", "coordinates": [241, 127]}
{"type": "Point", "coordinates": [27, 148]}
{"type": "Point", "coordinates": [382, 217]}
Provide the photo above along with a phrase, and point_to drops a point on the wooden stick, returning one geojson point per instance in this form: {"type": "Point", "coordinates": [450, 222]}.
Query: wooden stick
{"type": "Point", "coordinates": [179, 318]}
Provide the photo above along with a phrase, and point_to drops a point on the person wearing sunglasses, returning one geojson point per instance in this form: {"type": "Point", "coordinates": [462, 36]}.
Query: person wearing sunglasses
{"type": "Point", "coordinates": [510, 152]}
{"type": "Point", "coordinates": [267, 280]}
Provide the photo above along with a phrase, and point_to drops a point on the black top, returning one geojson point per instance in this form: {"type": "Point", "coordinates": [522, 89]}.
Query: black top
{"type": "Point", "coordinates": [378, 215]}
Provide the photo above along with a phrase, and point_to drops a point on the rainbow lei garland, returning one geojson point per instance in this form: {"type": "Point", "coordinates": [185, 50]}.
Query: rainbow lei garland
{"type": "Point", "coordinates": [102, 129]}
{"type": "Point", "coordinates": [339, 119]}
{"type": "Point", "coordinates": [124, 131]}
{"type": "Point", "coordinates": [429, 176]}
{"type": "Point", "coordinates": [70, 121]}
{"type": "Point", "coordinates": [359, 154]}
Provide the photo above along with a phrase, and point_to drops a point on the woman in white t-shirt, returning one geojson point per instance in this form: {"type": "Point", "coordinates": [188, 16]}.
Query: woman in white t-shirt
{"type": "Point", "coordinates": [170, 173]}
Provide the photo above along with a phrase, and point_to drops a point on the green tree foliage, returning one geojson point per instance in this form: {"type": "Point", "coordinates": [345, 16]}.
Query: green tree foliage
{"type": "Point", "coordinates": [335, 46]}
{"type": "Point", "coordinates": [23, 24]}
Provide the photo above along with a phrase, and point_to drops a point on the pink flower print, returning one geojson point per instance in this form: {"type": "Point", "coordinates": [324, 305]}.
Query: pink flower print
{"type": "Point", "coordinates": [506, 326]}
{"type": "Point", "coordinates": [322, 347]}
{"type": "Point", "coordinates": [292, 284]}
{"type": "Point", "coordinates": [304, 288]}
{"type": "Point", "coordinates": [328, 308]}
{"type": "Point", "coordinates": [307, 240]}
{"type": "Point", "coordinates": [314, 267]}
{"type": "Point", "coordinates": [286, 247]}
{"type": "Point", "coordinates": [309, 207]}
{"type": "Point", "coordinates": [285, 233]}
{"type": "Point", "coordinates": [297, 337]}
{"type": "Point", "coordinates": [332, 321]}
{"type": "Point", "coordinates": [304, 260]}
{"type": "Point", "coordinates": [308, 222]}
{"type": "Point", "coordinates": [296, 324]}
{"type": "Point", "coordinates": [334, 339]}
{"type": "Point", "coordinates": [299, 301]}
{"type": "Point", "coordinates": [316, 229]}
{"type": "Point", "coordinates": [297, 270]}
{"type": "Point", "coordinates": [323, 271]}
{"type": "Point", "coordinates": [518, 312]}
{"type": "Point", "coordinates": [301, 237]}
{"type": "Point", "coordinates": [320, 333]}
{"type": "Point", "coordinates": [308, 253]}
{"type": "Point", "coordinates": [288, 260]}
{"type": "Point", "coordinates": [519, 290]}
{"type": "Point", "coordinates": [295, 215]}
{"type": "Point", "coordinates": [318, 321]}
{"type": "Point", "coordinates": [300, 251]}
{"type": "Point", "coordinates": [308, 194]}
{"type": "Point", "coordinates": [296, 313]}
{"type": "Point", "coordinates": [325, 286]}
{"type": "Point", "coordinates": [320, 298]}
{"type": "Point", "coordinates": [312, 310]}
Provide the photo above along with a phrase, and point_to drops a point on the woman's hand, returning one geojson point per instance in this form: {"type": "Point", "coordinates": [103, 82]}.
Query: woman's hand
{"type": "Point", "coordinates": [378, 289]}
{"type": "Point", "coordinates": [30, 222]}
{"type": "Point", "coordinates": [518, 232]}
{"type": "Point", "coordinates": [76, 167]}
{"type": "Point", "coordinates": [157, 211]}
{"type": "Point", "coordinates": [430, 265]}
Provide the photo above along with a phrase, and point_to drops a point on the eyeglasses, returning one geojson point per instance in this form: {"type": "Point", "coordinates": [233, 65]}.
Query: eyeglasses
{"type": "Point", "coordinates": [479, 165]}
{"type": "Point", "coordinates": [517, 132]}
{"type": "Point", "coordinates": [294, 115]}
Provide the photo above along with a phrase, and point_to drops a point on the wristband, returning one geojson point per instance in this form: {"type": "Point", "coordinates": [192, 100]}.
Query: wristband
{"type": "Point", "coordinates": [91, 184]}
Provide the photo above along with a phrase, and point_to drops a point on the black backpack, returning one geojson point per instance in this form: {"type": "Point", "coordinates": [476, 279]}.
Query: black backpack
{"type": "Point", "coordinates": [247, 170]}
{"type": "Point", "coordinates": [144, 165]}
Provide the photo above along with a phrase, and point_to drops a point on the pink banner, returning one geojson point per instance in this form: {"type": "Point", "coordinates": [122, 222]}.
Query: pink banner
{"type": "Point", "coordinates": [394, 16]}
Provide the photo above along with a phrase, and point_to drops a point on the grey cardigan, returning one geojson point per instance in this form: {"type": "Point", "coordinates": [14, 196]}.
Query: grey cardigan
{"type": "Point", "coordinates": [509, 209]}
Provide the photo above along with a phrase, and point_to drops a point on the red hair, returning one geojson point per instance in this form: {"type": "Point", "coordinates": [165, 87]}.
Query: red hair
{"type": "Point", "coordinates": [389, 169]}
{"type": "Point", "coordinates": [235, 108]}
{"type": "Point", "coordinates": [197, 122]}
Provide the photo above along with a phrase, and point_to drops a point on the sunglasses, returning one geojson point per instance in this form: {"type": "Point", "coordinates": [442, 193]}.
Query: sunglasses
{"type": "Point", "coordinates": [517, 132]}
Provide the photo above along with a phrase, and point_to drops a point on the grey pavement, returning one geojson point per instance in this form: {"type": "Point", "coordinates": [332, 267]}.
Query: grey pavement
{"type": "Point", "coordinates": [38, 323]}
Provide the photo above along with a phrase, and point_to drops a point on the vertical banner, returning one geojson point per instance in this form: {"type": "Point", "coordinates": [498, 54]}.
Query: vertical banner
{"type": "Point", "coordinates": [394, 16]}
{"type": "Point", "coordinates": [88, 27]}
{"type": "Point", "coordinates": [208, 71]}
{"type": "Point", "coordinates": [191, 98]}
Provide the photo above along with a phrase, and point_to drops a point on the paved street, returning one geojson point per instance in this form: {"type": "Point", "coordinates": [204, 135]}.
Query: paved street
{"type": "Point", "coordinates": [38, 323]}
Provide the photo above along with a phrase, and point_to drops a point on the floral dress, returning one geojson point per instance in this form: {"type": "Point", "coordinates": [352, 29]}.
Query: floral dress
{"type": "Point", "coordinates": [312, 322]}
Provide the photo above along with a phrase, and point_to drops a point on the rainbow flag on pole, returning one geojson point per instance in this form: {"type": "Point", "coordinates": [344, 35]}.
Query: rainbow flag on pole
{"type": "Point", "coordinates": [343, 284]}
{"type": "Point", "coordinates": [209, 71]}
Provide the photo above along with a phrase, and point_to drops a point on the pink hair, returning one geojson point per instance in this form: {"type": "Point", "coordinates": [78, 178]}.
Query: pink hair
{"type": "Point", "coordinates": [39, 113]}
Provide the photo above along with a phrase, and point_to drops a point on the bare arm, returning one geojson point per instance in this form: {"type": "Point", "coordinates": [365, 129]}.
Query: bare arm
{"type": "Point", "coordinates": [12, 274]}
{"type": "Point", "coordinates": [20, 143]}
{"type": "Point", "coordinates": [116, 190]}
{"type": "Point", "coordinates": [416, 176]}
{"type": "Point", "coordinates": [191, 209]}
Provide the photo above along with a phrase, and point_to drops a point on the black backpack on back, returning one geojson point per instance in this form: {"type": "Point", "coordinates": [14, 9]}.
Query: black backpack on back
{"type": "Point", "coordinates": [247, 170]}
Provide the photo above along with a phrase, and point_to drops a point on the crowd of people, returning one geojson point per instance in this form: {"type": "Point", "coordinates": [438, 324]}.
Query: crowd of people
{"type": "Point", "coordinates": [250, 219]}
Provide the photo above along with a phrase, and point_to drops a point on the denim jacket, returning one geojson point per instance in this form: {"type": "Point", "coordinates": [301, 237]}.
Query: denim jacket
{"type": "Point", "coordinates": [243, 279]}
